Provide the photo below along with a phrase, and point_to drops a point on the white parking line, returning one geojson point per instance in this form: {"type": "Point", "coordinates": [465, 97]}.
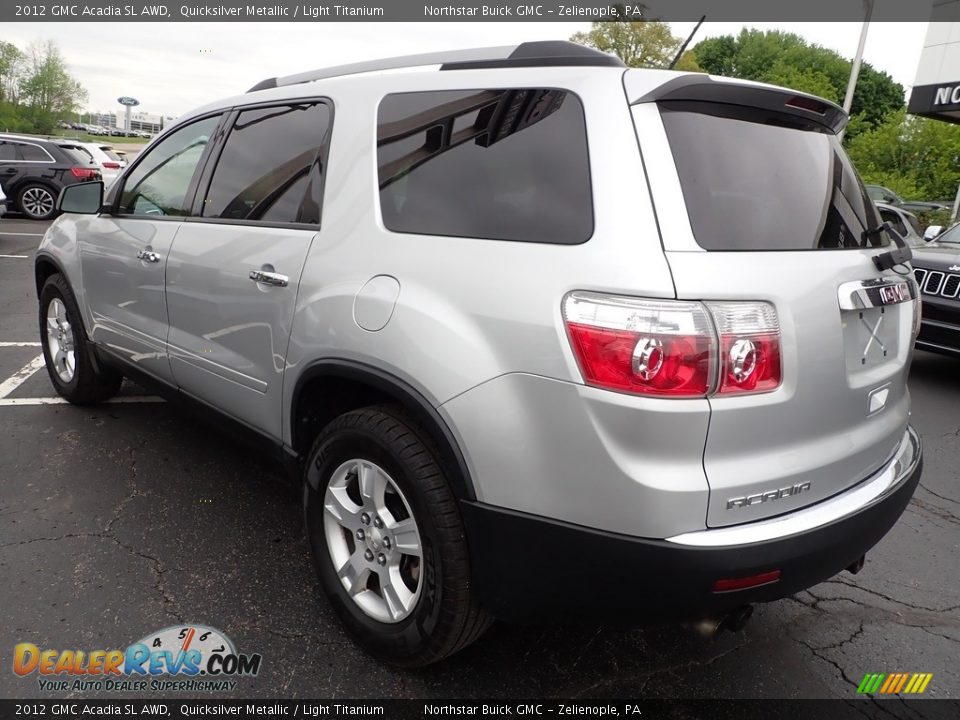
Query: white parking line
{"type": "Point", "coordinates": [7, 402]}
{"type": "Point", "coordinates": [20, 376]}
{"type": "Point", "coordinates": [19, 344]}
{"type": "Point", "coordinates": [23, 234]}
{"type": "Point", "coordinates": [15, 257]}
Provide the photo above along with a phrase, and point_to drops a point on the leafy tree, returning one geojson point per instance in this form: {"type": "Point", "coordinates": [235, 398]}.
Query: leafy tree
{"type": "Point", "coordinates": [47, 90]}
{"type": "Point", "coordinates": [639, 43]}
{"type": "Point", "coordinates": [916, 157]}
{"type": "Point", "coordinates": [789, 60]}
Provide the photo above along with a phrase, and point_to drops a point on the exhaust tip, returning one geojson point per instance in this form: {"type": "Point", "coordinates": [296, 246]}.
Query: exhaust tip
{"type": "Point", "coordinates": [711, 627]}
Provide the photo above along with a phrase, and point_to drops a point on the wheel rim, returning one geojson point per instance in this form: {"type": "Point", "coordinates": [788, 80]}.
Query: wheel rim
{"type": "Point", "coordinates": [37, 201]}
{"type": "Point", "coordinates": [60, 341]}
{"type": "Point", "coordinates": [374, 541]}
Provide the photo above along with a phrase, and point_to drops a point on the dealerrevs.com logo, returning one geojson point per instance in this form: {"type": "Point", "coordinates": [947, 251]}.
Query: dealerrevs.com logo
{"type": "Point", "coordinates": [186, 658]}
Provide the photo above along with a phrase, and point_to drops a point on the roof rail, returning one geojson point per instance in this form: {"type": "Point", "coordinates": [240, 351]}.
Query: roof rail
{"type": "Point", "coordinates": [529, 54]}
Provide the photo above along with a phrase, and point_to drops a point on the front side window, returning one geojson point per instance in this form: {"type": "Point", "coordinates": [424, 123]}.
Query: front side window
{"type": "Point", "coordinates": [270, 159]}
{"type": "Point", "coordinates": [158, 184]}
{"type": "Point", "coordinates": [497, 164]}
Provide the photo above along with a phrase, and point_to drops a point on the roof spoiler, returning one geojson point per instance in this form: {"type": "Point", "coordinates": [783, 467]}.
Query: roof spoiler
{"type": "Point", "coordinates": [698, 87]}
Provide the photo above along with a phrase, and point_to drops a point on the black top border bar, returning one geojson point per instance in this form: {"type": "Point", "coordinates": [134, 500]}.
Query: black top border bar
{"type": "Point", "coordinates": [320, 11]}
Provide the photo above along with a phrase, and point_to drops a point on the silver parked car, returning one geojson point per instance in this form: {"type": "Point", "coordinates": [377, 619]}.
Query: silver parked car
{"type": "Point", "coordinates": [538, 333]}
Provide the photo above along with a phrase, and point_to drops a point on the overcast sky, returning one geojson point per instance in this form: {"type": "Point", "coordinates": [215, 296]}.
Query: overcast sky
{"type": "Point", "coordinates": [173, 67]}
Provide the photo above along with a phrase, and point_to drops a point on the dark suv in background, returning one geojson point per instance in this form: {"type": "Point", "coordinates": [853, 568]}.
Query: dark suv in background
{"type": "Point", "coordinates": [34, 170]}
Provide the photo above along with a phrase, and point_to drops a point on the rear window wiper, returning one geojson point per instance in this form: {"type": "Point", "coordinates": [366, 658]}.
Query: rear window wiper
{"type": "Point", "coordinates": [891, 258]}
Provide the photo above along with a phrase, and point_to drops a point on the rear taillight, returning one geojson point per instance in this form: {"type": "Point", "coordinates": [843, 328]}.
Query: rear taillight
{"type": "Point", "coordinates": [749, 346]}
{"type": "Point", "coordinates": [83, 173]}
{"type": "Point", "coordinates": [111, 165]}
{"type": "Point", "coordinates": [672, 348]}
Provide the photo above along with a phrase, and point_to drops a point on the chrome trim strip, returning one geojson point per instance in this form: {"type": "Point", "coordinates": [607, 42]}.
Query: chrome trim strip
{"type": "Point", "coordinates": [897, 471]}
{"type": "Point", "coordinates": [861, 294]}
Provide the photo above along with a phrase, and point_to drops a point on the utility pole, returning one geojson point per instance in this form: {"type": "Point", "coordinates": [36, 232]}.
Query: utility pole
{"type": "Point", "coordinates": [858, 59]}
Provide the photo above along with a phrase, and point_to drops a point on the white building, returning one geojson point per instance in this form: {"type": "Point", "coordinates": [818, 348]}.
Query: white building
{"type": "Point", "coordinates": [936, 91]}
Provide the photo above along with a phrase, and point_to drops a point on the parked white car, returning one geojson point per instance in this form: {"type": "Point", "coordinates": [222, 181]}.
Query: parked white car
{"type": "Point", "coordinates": [111, 164]}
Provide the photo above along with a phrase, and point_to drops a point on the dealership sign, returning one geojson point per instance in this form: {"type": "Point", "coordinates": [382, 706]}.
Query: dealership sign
{"type": "Point", "coordinates": [941, 101]}
{"type": "Point", "coordinates": [947, 95]}
{"type": "Point", "coordinates": [128, 101]}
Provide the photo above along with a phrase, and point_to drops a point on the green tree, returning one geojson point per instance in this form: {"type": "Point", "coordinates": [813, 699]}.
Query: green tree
{"type": "Point", "coordinates": [639, 43]}
{"type": "Point", "coordinates": [789, 60]}
{"type": "Point", "coordinates": [916, 157]}
{"type": "Point", "coordinates": [48, 92]}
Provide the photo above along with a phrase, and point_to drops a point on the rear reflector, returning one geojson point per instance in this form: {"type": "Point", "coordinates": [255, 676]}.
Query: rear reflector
{"type": "Point", "coordinates": [111, 165]}
{"type": "Point", "coordinates": [730, 584]}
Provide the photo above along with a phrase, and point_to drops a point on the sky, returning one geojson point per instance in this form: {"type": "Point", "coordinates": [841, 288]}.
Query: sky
{"type": "Point", "coordinates": [173, 67]}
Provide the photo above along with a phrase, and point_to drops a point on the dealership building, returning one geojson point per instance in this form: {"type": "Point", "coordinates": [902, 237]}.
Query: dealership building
{"type": "Point", "coordinates": [936, 90]}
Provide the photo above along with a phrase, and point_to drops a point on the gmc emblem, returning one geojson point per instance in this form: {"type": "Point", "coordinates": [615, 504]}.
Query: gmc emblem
{"type": "Point", "coordinates": [891, 294]}
{"type": "Point", "coordinates": [768, 496]}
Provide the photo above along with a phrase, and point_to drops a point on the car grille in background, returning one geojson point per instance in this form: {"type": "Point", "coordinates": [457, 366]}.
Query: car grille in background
{"type": "Point", "coordinates": [934, 282]}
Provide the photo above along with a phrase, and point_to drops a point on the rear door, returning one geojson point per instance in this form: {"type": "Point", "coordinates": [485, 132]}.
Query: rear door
{"type": "Point", "coordinates": [234, 270]}
{"type": "Point", "coordinates": [766, 206]}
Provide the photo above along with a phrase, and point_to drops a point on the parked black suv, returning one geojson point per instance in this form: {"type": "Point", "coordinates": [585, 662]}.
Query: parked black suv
{"type": "Point", "coordinates": [34, 170]}
{"type": "Point", "coordinates": [936, 266]}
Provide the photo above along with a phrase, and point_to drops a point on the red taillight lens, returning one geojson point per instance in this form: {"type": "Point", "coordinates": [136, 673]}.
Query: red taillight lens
{"type": "Point", "coordinates": [111, 165]}
{"type": "Point", "coordinates": [749, 347]}
{"type": "Point", "coordinates": [83, 173]}
{"type": "Point", "coordinates": [671, 348]}
{"type": "Point", "coordinates": [647, 347]}
{"type": "Point", "coordinates": [729, 584]}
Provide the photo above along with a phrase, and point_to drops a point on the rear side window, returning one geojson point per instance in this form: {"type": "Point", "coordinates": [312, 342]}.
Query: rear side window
{"type": "Point", "coordinates": [33, 153]}
{"type": "Point", "coordinates": [271, 158]}
{"type": "Point", "coordinates": [497, 164]}
{"type": "Point", "coordinates": [8, 151]}
{"type": "Point", "coordinates": [756, 180]}
{"type": "Point", "coordinates": [78, 154]}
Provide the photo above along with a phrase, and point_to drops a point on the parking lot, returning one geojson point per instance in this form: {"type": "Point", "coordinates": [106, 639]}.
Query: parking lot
{"type": "Point", "coordinates": [125, 518]}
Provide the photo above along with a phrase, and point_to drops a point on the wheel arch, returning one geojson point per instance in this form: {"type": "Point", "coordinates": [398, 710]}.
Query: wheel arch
{"type": "Point", "coordinates": [43, 267]}
{"type": "Point", "coordinates": [330, 387]}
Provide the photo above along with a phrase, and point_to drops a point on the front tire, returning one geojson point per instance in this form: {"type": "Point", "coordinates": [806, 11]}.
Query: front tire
{"type": "Point", "coordinates": [387, 539]}
{"type": "Point", "coordinates": [70, 363]}
{"type": "Point", "coordinates": [37, 202]}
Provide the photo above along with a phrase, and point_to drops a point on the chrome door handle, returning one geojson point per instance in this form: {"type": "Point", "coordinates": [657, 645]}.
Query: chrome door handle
{"type": "Point", "coordinates": [148, 256]}
{"type": "Point", "coordinates": [269, 278]}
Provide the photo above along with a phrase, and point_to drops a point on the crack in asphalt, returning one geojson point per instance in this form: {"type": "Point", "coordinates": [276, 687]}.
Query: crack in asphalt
{"type": "Point", "coordinates": [942, 497]}
{"type": "Point", "coordinates": [156, 565]}
{"type": "Point", "coordinates": [888, 598]}
{"type": "Point", "coordinates": [935, 510]}
{"type": "Point", "coordinates": [646, 675]}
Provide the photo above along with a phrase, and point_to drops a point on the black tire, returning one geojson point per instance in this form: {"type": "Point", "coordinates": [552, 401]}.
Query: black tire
{"type": "Point", "coordinates": [28, 197]}
{"type": "Point", "coordinates": [446, 616]}
{"type": "Point", "coordinates": [91, 382]}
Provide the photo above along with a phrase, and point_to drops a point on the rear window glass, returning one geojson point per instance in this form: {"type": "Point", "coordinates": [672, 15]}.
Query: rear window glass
{"type": "Point", "coordinates": [497, 164]}
{"type": "Point", "coordinates": [111, 154]}
{"type": "Point", "coordinates": [754, 180]}
{"type": "Point", "coordinates": [34, 153]}
{"type": "Point", "coordinates": [78, 154]}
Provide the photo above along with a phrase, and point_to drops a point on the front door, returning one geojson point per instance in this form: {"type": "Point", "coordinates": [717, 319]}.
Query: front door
{"type": "Point", "coordinates": [124, 253]}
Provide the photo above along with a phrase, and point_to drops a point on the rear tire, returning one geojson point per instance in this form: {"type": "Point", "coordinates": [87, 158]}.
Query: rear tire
{"type": "Point", "coordinates": [37, 202]}
{"type": "Point", "coordinates": [73, 370]}
{"type": "Point", "coordinates": [411, 601]}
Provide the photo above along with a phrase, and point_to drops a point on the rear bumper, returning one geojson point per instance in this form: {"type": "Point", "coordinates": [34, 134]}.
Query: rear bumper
{"type": "Point", "coordinates": [528, 567]}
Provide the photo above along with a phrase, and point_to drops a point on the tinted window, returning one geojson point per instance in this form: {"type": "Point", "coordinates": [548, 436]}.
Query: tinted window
{"type": "Point", "coordinates": [110, 153]}
{"type": "Point", "coordinates": [754, 180]}
{"type": "Point", "coordinates": [895, 220]}
{"type": "Point", "coordinates": [79, 155]}
{"type": "Point", "coordinates": [8, 151]}
{"type": "Point", "coordinates": [500, 164]}
{"type": "Point", "coordinates": [33, 152]}
{"type": "Point", "coordinates": [271, 157]}
{"type": "Point", "coordinates": [158, 184]}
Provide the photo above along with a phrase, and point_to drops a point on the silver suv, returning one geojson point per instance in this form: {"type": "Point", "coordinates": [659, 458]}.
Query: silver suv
{"type": "Point", "coordinates": [538, 333]}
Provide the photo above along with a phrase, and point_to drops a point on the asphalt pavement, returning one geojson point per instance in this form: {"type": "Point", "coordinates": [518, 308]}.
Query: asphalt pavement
{"type": "Point", "coordinates": [125, 518]}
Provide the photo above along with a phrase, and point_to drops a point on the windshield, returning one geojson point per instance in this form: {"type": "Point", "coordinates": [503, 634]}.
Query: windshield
{"type": "Point", "coordinates": [951, 236]}
{"type": "Point", "coordinates": [758, 180]}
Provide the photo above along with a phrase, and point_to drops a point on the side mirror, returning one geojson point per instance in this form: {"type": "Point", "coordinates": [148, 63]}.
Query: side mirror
{"type": "Point", "coordinates": [85, 198]}
{"type": "Point", "coordinates": [932, 232]}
